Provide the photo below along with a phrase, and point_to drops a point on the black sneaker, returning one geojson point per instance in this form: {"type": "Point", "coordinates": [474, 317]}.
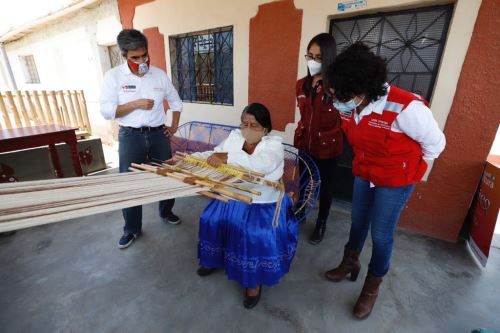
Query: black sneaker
{"type": "Point", "coordinates": [172, 219]}
{"type": "Point", "coordinates": [204, 271]}
{"type": "Point", "coordinates": [126, 240]}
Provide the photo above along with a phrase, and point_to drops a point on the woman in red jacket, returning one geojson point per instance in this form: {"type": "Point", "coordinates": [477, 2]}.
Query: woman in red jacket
{"type": "Point", "coordinates": [392, 133]}
{"type": "Point", "coordinates": [318, 132]}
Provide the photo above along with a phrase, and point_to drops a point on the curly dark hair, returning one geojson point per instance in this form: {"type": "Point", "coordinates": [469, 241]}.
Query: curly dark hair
{"type": "Point", "coordinates": [357, 71]}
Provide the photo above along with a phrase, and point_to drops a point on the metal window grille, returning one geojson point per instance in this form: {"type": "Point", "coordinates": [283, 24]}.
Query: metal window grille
{"type": "Point", "coordinates": [202, 65]}
{"type": "Point", "coordinates": [29, 68]}
{"type": "Point", "coordinates": [411, 41]}
{"type": "Point", "coordinates": [115, 56]}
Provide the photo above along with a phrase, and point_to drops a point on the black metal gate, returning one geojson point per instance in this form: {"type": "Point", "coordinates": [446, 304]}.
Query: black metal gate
{"type": "Point", "coordinates": [412, 41]}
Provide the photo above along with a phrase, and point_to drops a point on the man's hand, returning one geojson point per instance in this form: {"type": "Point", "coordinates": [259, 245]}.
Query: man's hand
{"type": "Point", "coordinates": [217, 159]}
{"type": "Point", "coordinates": [125, 109]}
{"type": "Point", "coordinates": [144, 103]}
{"type": "Point", "coordinates": [169, 130]}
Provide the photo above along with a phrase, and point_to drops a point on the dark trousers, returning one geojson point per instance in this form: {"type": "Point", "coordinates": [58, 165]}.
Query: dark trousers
{"type": "Point", "coordinates": [327, 172]}
{"type": "Point", "coordinates": [138, 147]}
{"type": "Point", "coordinates": [377, 208]}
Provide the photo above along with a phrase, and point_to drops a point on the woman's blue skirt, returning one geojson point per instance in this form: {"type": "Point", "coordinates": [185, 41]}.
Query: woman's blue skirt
{"type": "Point", "coordinates": [241, 238]}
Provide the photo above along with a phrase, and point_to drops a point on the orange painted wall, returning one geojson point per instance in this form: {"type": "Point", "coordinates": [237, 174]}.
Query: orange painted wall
{"type": "Point", "coordinates": [127, 11]}
{"type": "Point", "coordinates": [439, 206]}
{"type": "Point", "coordinates": [274, 49]}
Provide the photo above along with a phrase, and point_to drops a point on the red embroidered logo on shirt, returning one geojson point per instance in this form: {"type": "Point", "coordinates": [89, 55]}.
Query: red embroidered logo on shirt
{"type": "Point", "coordinates": [129, 88]}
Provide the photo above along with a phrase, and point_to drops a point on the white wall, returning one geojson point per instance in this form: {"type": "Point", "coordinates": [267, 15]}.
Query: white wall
{"type": "Point", "coordinates": [175, 17]}
{"type": "Point", "coordinates": [68, 55]}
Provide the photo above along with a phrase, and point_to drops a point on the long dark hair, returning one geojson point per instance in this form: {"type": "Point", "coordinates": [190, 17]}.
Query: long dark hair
{"type": "Point", "coordinates": [261, 114]}
{"type": "Point", "coordinates": [357, 71]}
{"type": "Point", "coordinates": [328, 48]}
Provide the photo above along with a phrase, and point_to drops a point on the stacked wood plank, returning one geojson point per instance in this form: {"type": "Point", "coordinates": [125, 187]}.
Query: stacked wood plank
{"type": "Point", "coordinates": [31, 108]}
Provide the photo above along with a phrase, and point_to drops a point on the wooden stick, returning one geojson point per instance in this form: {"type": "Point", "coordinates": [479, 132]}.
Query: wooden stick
{"type": "Point", "coordinates": [31, 108]}
{"type": "Point", "coordinates": [48, 110]}
{"type": "Point", "coordinates": [230, 166]}
{"type": "Point", "coordinates": [14, 109]}
{"type": "Point", "coordinates": [39, 109]}
{"type": "Point", "coordinates": [56, 107]}
{"type": "Point", "coordinates": [64, 109]}
{"type": "Point", "coordinates": [213, 187]}
{"type": "Point", "coordinates": [74, 119]}
{"type": "Point", "coordinates": [84, 111]}
{"type": "Point", "coordinates": [75, 101]}
{"type": "Point", "coordinates": [5, 113]}
{"type": "Point", "coordinates": [22, 106]}
{"type": "Point", "coordinates": [225, 183]}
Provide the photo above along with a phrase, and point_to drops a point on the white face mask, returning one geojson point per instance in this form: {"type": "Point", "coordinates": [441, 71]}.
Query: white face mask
{"type": "Point", "coordinates": [314, 67]}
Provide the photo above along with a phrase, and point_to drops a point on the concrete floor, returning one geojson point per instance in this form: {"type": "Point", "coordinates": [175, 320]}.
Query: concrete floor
{"type": "Point", "coordinates": [71, 277]}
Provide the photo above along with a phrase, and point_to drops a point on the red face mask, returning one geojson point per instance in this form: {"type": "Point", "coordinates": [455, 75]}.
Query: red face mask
{"type": "Point", "coordinates": [138, 67]}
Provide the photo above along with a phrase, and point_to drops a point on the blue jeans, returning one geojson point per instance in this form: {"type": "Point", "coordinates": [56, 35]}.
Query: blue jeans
{"type": "Point", "coordinates": [379, 208]}
{"type": "Point", "coordinates": [138, 147]}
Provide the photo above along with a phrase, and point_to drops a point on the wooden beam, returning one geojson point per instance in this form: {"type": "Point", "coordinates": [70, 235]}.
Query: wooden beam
{"type": "Point", "coordinates": [13, 107]}
{"type": "Point", "coordinates": [56, 106]}
{"type": "Point", "coordinates": [5, 113]}
{"type": "Point", "coordinates": [39, 109]}
{"type": "Point", "coordinates": [46, 104]}
{"type": "Point", "coordinates": [22, 106]}
{"type": "Point", "coordinates": [31, 108]}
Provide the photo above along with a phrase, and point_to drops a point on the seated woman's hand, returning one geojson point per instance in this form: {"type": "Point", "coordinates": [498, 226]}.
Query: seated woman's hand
{"type": "Point", "coordinates": [174, 160]}
{"type": "Point", "coordinates": [217, 159]}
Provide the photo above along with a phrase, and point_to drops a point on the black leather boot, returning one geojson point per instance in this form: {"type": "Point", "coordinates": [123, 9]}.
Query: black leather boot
{"type": "Point", "coordinates": [318, 233]}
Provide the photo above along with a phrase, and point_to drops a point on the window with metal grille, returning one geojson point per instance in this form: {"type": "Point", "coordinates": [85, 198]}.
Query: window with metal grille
{"type": "Point", "coordinates": [202, 65]}
{"type": "Point", "coordinates": [411, 41]}
{"type": "Point", "coordinates": [115, 56]}
{"type": "Point", "coordinates": [29, 69]}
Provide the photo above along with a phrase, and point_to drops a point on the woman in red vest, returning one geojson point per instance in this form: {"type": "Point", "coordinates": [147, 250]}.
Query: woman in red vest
{"type": "Point", "coordinates": [318, 132]}
{"type": "Point", "coordinates": [392, 133]}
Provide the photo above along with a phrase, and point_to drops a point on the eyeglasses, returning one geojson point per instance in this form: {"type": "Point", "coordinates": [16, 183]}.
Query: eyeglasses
{"type": "Point", "coordinates": [313, 57]}
{"type": "Point", "coordinates": [254, 126]}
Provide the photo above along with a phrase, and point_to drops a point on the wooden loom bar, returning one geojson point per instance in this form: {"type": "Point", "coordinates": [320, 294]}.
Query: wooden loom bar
{"type": "Point", "coordinates": [213, 187]}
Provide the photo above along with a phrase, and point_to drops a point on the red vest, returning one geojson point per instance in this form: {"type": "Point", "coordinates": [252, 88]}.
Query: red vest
{"type": "Point", "coordinates": [318, 132]}
{"type": "Point", "coordinates": [382, 156]}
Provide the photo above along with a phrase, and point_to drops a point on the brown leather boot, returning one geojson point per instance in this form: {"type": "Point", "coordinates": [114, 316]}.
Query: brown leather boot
{"type": "Point", "coordinates": [349, 265]}
{"type": "Point", "coordinates": [368, 296]}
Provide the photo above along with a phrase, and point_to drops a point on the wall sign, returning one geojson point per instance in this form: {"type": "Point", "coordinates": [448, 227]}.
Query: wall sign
{"type": "Point", "coordinates": [353, 4]}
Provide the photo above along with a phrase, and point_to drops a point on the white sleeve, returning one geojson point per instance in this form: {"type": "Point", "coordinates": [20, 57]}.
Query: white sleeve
{"type": "Point", "coordinates": [418, 123]}
{"type": "Point", "coordinates": [172, 96]}
{"type": "Point", "coordinates": [265, 161]}
{"type": "Point", "coordinates": [109, 97]}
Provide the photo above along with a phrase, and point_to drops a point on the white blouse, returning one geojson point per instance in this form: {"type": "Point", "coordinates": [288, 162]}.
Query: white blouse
{"type": "Point", "coordinates": [268, 158]}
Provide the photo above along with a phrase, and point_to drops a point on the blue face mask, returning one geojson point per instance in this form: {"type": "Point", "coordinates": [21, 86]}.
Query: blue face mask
{"type": "Point", "coordinates": [347, 106]}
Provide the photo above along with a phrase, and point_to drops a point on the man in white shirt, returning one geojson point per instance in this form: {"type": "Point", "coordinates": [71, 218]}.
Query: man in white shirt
{"type": "Point", "coordinates": [133, 94]}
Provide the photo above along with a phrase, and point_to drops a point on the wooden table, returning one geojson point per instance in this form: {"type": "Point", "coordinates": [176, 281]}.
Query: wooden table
{"type": "Point", "coordinates": [43, 135]}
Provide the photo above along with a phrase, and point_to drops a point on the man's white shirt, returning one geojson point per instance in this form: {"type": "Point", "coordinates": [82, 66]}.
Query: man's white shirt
{"type": "Point", "coordinates": [121, 86]}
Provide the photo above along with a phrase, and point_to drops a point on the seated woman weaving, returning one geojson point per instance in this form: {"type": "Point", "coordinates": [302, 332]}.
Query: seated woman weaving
{"type": "Point", "coordinates": [254, 243]}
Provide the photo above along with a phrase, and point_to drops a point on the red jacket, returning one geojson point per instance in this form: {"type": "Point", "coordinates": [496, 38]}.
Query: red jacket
{"type": "Point", "coordinates": [382, 156]}
{"type": "Point", "coordinates": [318, 132]}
